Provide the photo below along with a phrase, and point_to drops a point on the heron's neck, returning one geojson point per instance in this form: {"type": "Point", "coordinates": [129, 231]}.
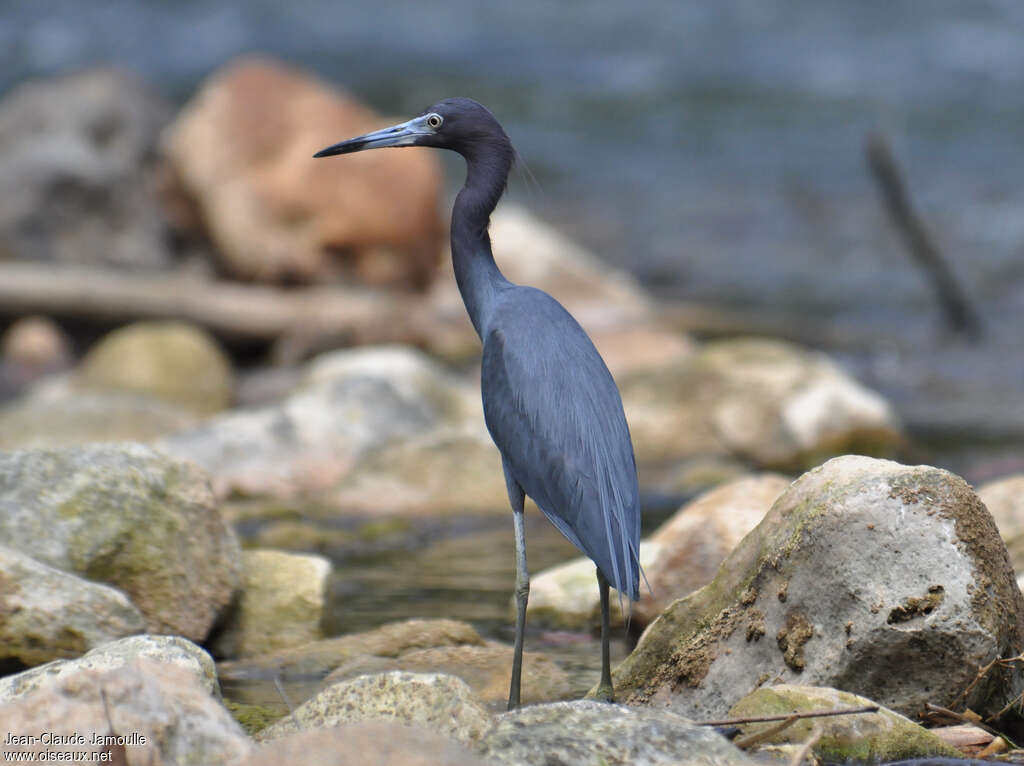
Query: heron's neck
{"type": "Point", "coordinates": [476, 273]}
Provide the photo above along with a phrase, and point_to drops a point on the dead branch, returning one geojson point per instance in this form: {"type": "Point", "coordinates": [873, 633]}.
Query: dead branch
{"type": "Point", "coordinates": [760, 736]}
{"type": "Point", "coordinates": [806, 747]}
{"type": "Point", "coordinates": [787, 716]}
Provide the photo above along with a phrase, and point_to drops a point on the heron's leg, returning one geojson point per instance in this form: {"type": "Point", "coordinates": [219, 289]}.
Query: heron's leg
{"type": "Point", "coordinates": [604, 689]}
{"type": "Point", "coordinates": [516, 497]}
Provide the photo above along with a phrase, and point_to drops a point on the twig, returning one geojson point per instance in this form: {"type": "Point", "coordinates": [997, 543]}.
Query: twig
{"type": "Point", "coordinates": [959, 312]}
{"type": "Point", "coordinates": [758, 737]}
{"type": "Point", "coordinates": [787, 716]}
{"type": "Point", "coordinates": [806, 747]}
{"type": "Point", "coordinates": [964, 718]}
{"type": "Point", "coordinates": [287, 702]}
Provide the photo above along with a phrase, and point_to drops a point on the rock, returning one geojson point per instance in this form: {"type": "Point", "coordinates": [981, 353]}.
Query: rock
{"type": "Point", "coordinates": [765, 401]}
{"type": "Point", "coordinates": [162, 713]}
{"type": "Point", "coordinates": [47, 614]}
{"type": "Point", "coordinates": [440, 703]}
{"type": "Point", "coordinates": [566, 596]}
{"type": "Point", "coordinates": [692, 544]}
{"type": "Point", "coordinates": [31, 348]}
{"type": "Point", "coordinates": [173, 362]}
{"type": "Point", "coordinates": [440, 472]}
{"type": "Point", "coordinates": [884, 580]}
{"type": "Point", "coordinates": [241, 151]}
{"type": "Point", "coordinates": [487, 670]}
{"type": "Point", "coordinates": [378, 743]}
{"type": "Point", "coordinates": [864, 738]}
{"type": "Point", "coordinates": [353, 402]}
{"type": "Point", "coordinates": [1005, 501]}
{"type": "Point", "coordinates": [600, 734]}
{"type": "Point", "coordinates": [281, 604]}
{"type": "Point", "coordinates": [74, 418]}
{"type": "Point", "coordinates": [78, 179]}
{"type": "Point", "coordinates": [126, 516]}
{"type": "Point", "coordinates": [165, 650]}
{"type": "Point", "coordinates": [318, 658]}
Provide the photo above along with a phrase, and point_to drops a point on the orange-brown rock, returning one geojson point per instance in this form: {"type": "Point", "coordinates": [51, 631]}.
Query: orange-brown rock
{"type": "Point", "coordinates": [241, 152]}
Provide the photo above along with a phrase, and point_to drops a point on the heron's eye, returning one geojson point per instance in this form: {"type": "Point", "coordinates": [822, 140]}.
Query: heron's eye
{"type": "Point", "coordinates": [434, 120]}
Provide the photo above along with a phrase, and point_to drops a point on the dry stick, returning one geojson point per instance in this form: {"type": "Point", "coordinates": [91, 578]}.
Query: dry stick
{"type": "Point", "coordinates": [291, 709]}
{"type": "Point", "coordinates": [962, 718]}
{"type": "Point", "coordinates": [787, 716]}
{"type": "Point", "coordinates": [805, 748]}
{"type": "Point", "coordinates": [760, 736]}
{"type": "Point", "coordinates": [959, 312]}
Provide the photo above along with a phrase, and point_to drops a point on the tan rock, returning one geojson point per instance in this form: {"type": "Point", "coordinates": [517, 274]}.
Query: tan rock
{"type": "Point", "coordinates": [242, 151]}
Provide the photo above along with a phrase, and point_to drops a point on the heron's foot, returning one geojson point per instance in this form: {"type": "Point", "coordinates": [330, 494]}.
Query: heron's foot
{"type": "Point", "coordinates": [603, 693]}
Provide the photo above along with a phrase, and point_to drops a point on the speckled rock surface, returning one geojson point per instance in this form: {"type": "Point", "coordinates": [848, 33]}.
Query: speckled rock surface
{"type": "Point", "coordinates": [281, 603]}
{"type": "Point", "coordinates": [166, 715]}
{"type": "Point", "coordinates": [886, 580]}
{"type": "Point", "coordinates": [587, 733]}
{"type": "Point", "coordinates": [47, 614]}
{"type": "Point", "coordinates": [166, 650]}
{"type": "Point", "coordinates": [437, 702]}
{"type": "Point", "coordinates": [1004, 499]}
{"type": "Point", "coordinates": [370, 743]}
{"type": "Point", "coordinates": [127, 516]}
{"type": "Point", "coordinates": [863, 738]}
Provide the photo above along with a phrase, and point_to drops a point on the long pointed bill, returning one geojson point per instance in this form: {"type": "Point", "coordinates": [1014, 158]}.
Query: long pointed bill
{"type": "Point", "coordinates": [397, 135]}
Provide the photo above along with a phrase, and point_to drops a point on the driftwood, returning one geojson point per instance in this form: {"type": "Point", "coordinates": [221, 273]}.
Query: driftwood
{"type": "Point", "coordinates": [959, 312]}
{"type": "Point", "coordinates": [234, 311]}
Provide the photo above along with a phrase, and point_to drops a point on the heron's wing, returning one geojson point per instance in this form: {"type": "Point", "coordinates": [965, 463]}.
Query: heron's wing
{"type": "Point", "coordinates": [555, 413]}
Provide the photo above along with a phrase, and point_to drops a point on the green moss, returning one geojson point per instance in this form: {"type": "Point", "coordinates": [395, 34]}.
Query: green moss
{"type": "Point", "coordinates": [253, 718]}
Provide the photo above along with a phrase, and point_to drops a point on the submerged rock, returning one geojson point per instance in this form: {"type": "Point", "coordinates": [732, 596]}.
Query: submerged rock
{"type": "Point", "coordinates": [161, 711]}
{"type": "Point", "coordinates": [173, 362]}
{"type": "Point", "coordinates": [241, 153]}
{"type": "Point", "coordinates": [125, 515]}
{"type": "Point", "coordinates": [862, 738]}
{"type": "Point", "coordinates": [47, 614]}
{"type": "Point", "coordinates": [281, 603]}
{"type": "Point", "coordinates": [599, 734]}
{"type": "Point", "coordinates": [165, 650]}
{"type": "Point", "coordinates": [766, 401]}
{"type": "Point", "coordinates": [433, 701]}
{"type": "Point", "coordinates": [885, 580]}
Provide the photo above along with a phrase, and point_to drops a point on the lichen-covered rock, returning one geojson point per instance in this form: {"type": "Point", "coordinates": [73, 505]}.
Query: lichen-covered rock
{"type": "Point", "coordinates": [566, 595]}
{"type": "Point", "coordinates": [885, 580]}
{"type": "Point", "coordinates": [588, 733]}
{"type": "Point", "coordinates": [433, 701]}
{"type": "Point", "coordinates": [377, 743]}
{"type": "Point", "coordinates": [241, 152]}
{"type": "Point", "coordinates": [125, 515]}
{"type": "Point", "coordinates": [165, 650]}
{"type": "Point", "coordinates": [352, 402]}
{"type": "Point", "coordinates": [281, 603]}
{"type": "Point", "coordinates": [78, 176]}
{"type": "Point", "coordinates": [47, 614]}
{"type": "Point", "coordinates": [693, 542]}
{"type": "Point", "coordinates": [487, 670]}
{"type": "Point", "coordinates": [172, 362]}
{"type": "Point", "coordinates": [766, 401]}
{"type": "Point", "coordinates": [163, 713]}
{"type": "Point", "coordinates": [862, 738]}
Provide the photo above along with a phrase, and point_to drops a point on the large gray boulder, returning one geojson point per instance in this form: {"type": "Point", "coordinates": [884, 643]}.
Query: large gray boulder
{"type": "Point", "coordinates": [125, 515]}
{"type": "Point", "coordinates": [47, 614]}
{"type": "Point", "coordinates": [867, 576]}
{"type": "Point", "coordinates": [586, 733]}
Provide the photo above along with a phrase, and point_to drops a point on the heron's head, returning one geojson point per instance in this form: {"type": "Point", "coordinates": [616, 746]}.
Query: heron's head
{"type": "Point", "coordinates": [459, 124]}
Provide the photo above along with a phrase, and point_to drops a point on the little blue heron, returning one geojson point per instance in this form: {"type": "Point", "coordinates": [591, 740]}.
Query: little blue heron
{"type": "Point", "coordinates": [550, 403]}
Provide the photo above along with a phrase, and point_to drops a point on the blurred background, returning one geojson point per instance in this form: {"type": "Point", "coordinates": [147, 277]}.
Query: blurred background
{"type": "Point", "coordinates": [714, 150]}
{"type": "Point", "coordinates": [717, 152]}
